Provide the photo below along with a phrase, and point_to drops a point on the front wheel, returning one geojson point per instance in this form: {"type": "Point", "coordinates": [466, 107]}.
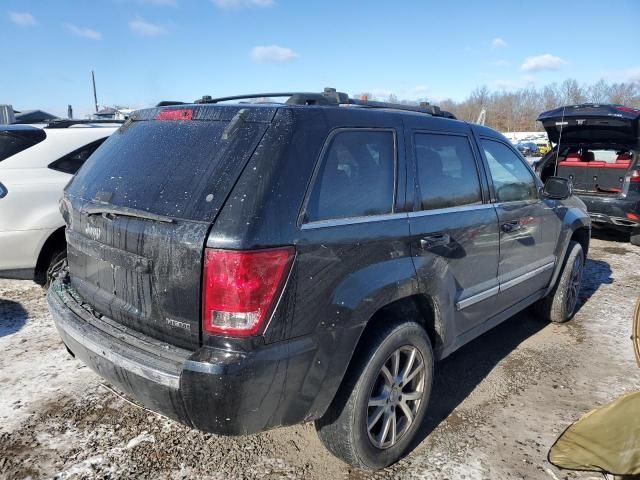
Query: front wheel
{"type": "Point", "coordinates": [383, 399]}
{"type": "Point", "coordinates": [560, 305]}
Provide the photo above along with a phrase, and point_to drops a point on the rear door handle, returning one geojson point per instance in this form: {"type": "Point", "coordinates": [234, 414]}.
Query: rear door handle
{"type": "Point", "coordinates": [510, 227]}
{"type": "Point", "coordinates": [435, 240]}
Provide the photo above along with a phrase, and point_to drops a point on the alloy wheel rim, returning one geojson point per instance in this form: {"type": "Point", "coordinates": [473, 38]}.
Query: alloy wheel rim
{"type": "Point", "coordinates": [396, 397]}
{"type": "Point", "coordinates": [574, 285]}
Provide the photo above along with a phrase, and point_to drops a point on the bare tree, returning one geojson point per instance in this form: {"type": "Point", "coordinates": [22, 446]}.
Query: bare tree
{"type": "Point", "coordinates": [517, 110]}
{"type": "Point", "coordinates": [599, 92]}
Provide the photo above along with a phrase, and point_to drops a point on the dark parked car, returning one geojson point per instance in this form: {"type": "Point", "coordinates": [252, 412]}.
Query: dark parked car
{"type": "Point", "coordinates": [597, 148]}
{"type": "Point", "coordinates": [240, 267]}
{"type": "Point", "coordinates": [528, 149]}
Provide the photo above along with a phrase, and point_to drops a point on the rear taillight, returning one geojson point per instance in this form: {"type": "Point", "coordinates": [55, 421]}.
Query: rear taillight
{"type": "Point", "coordinates": [175, 114]}
{"type": "Point", "coordinates": [633, 217]}
{"type": "Point", "coordinates": [634, 176]}
{"type": "Point", "coordinates": [240, 289]}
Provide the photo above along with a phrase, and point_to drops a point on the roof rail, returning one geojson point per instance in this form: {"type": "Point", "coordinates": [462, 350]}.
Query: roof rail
{"type": "Point", "coordinates": [330, 96]}
{"type": "Point", "coordinates": [65, 123]}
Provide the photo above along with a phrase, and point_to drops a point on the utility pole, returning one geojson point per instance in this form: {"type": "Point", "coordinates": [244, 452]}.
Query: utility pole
{"type": "Point", "coordinates": [95, 95]}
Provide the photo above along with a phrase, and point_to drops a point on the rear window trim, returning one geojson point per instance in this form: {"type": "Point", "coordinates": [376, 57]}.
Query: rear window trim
{"type": "Point", "coordinates": [330, 222]}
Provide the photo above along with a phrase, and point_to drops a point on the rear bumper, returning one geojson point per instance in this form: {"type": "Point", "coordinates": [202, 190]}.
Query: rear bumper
{"type": "Point", "coordinates": [218, 391]}
{"type": "Point", "coordinates": [612, 211]}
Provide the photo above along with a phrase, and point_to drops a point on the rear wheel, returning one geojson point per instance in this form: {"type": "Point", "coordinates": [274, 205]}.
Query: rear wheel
{"type": "Point", "coordinates": [383, 399]}
{"type": "Point", "coordinates": [635, 237]}
{"type": "Point", "coordinates": [560, 305]}
{"type": "Point", "coordinates": [51, 267]}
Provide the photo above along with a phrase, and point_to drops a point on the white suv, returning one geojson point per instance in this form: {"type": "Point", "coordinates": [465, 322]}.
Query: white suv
{"type": "Point", "coordinates": [36, 162]}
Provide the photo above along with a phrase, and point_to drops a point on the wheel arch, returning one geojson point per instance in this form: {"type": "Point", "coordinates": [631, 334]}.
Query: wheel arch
{"type": "Point", "coordinates": [419, 308]}
{"type": "Point", "coordinates": [582, 235]}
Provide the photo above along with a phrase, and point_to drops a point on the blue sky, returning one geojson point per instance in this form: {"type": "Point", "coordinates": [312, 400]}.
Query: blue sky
{"type": "Point", "coordinates": [144, 51]}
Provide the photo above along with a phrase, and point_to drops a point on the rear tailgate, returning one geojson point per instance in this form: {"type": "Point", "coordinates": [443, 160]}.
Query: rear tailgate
{"type": "Point", "coordinates": [138, 213]}
{"type": "Point", "coordinates": [591, 123]}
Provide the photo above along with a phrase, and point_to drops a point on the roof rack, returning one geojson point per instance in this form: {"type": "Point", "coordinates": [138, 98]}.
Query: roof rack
{"type": "Point", "coordinates": [329, 97]}
{"type": "Point", "coordinates": [65, 123]}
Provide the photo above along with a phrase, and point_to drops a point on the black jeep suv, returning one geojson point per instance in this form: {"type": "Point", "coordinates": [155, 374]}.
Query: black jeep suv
{"type": "Point", "coordinates": [597, 148]}
{"type": "Point", "coordinates": [244, 266]}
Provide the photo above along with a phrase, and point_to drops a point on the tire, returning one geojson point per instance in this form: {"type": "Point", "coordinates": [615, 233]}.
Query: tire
{"type": "Point", "coordinates": [560, 305]}
{"type": "Point", "coordinates": [45, 276]}
{"type": "Point", "coordinates": [635, 237]}
{"type": "Point", "coordinates": [344, 428]}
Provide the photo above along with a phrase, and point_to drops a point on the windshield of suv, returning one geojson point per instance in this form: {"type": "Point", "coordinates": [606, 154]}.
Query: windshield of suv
{"type": "Point", "coordinates": [16, 141]}
{"type": "Point", "coordinates": [173, 168]}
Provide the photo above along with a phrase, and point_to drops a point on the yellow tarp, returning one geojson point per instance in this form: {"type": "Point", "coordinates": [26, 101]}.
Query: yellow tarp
{"type": "Point", "coordinates": [606, 439]}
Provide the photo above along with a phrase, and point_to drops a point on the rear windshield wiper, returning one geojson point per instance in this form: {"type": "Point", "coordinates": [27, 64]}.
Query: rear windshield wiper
{"type": "Point", "coordinates": [125, 212]}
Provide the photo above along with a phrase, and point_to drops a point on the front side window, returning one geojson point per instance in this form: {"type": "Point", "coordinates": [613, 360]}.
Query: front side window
{"type": "Point", "coordinates": [447, 174]}
{"type": "Point", "coordinates": [512, 180]}
{"type": "Point", "coordinates": [355, 178]}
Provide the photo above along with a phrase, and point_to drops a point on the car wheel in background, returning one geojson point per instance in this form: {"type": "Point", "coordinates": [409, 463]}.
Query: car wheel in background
{"type": "Point", "coordinates": [560, 305]}
{"type": "Point", "coordinates": [382, 400]}
{"type": "Point", "coordinates": [53, 265]}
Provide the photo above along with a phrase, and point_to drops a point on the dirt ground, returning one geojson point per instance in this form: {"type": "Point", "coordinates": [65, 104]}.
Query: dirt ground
{"type": "Point", "coordinates": [498, 404]}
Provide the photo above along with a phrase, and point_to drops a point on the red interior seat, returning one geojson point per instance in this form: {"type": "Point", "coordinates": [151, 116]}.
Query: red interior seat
{"type": "Point", "coordinates": [621, 164]}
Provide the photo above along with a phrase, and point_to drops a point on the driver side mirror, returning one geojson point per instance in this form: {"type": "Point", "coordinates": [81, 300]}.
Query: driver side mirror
{"type": "Point", "coordinates": [557, 188]}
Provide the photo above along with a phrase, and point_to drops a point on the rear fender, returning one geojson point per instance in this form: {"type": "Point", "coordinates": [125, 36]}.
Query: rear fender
{"type": "Point", "coordinates": [357, 298]}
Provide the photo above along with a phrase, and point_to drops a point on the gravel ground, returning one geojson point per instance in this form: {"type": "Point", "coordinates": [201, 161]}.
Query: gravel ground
{"type": "Point", "coordinates": [498, 403]}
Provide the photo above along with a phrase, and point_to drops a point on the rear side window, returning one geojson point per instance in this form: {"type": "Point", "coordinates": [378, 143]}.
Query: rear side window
{"type": "Point", "coordinates": [72, 162]}
{"type": "Point", "coordinates": [16, 141]}
{"type": "Point", "coordinates": [512, 180]}
{"type": "Point", "coordinates": [356, 177]}
{"type": "Point", "coordinates": [447, 173]}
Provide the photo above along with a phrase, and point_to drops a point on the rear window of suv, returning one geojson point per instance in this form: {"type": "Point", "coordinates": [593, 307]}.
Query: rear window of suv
{"type": "Point", "coordinates": [16, 141]}
{"type": "Point", "coordinates": [356, 176]}
{"type": "Point", "coordinates": [178, 169]}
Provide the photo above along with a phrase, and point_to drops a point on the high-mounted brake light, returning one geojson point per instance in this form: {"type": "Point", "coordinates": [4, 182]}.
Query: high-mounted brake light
{"type": "Point", "coordinates": [175, 114]}
{"type": "Point", "coordinates": [240, 289]}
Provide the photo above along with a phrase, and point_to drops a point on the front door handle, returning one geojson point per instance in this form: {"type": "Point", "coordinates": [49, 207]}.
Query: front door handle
{"type": "Point", "coordinates": [435, 240]}
{"type": "Point", "coordinates": [510, 227]}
